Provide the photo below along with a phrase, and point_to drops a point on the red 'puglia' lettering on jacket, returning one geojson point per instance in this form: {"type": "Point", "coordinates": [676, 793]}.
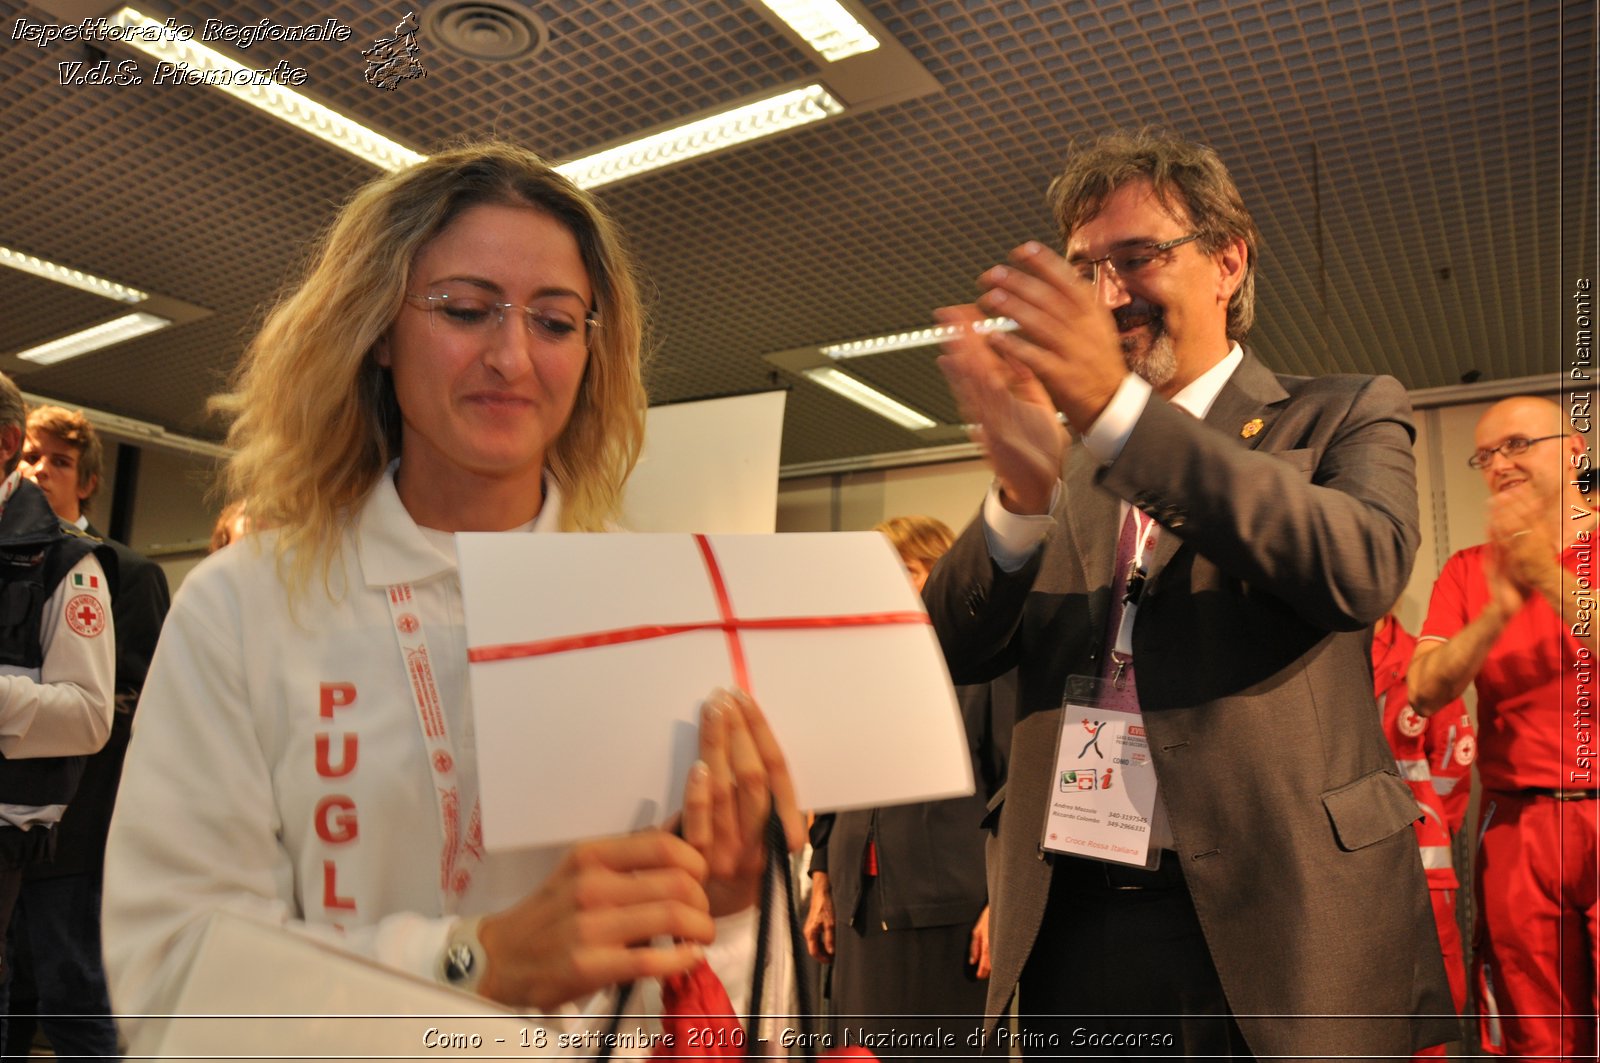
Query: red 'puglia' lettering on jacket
{"type": "Point", "coordinates": [335, 818]}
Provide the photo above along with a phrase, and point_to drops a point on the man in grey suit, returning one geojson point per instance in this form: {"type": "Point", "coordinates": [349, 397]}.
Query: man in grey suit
{"type": "Point", "coordinates": [1287, 912]}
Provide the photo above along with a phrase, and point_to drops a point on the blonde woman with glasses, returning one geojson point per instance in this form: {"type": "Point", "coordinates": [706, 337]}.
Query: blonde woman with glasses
{"type": "Point", "coordinates": [463, 355]}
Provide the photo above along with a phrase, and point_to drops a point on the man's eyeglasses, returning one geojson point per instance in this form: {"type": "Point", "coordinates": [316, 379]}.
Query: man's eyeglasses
{"type": "Point", "coordinates": [1126, 262]}
{"type": "Point", "coordinates": [473, 315]}
{"type": "Point", "coordinates": [1510, 448]}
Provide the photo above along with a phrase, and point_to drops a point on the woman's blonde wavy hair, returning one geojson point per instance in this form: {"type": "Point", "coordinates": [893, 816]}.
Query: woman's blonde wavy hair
{"type": "Point", "coordinates": [917, 538]}
{"type": "Point", "coordinates": [314, 417]}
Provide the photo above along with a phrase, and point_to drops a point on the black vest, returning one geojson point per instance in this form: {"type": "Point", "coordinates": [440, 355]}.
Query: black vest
{"type": "Point", "coordinates": [36, 553]}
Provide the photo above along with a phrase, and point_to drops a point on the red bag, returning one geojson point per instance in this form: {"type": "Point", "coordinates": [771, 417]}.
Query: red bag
{"type": "Point", "coordinates": [696, 1013]}
{"type": "Point", "coordinates": [698, 1017]}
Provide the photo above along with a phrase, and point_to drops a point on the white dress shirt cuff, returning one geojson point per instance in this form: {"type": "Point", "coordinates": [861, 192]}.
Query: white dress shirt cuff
{"type": "Point", "coordinates": [1013, 537]}
{"type": "Point", "coordinates": [1110, 431]}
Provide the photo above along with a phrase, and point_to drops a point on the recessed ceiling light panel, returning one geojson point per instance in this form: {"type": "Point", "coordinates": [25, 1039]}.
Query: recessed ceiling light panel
{"type": "Point", "coordinates": [727, 129]}
{"type": "Point", "coordinates": [900, 341]}
{"type": "Point", "coordinates": [74, 278]}
{"type": "Point", "coordinates": [104, 334]}
{"type": "Point", "coordinates": [736, 125]}
{"type": "Point", "coordinates": [826, 26]}
{"type": "Point", "coordinates": [231, 76]}
{"type": "Point", "coordinates": [871, 398]}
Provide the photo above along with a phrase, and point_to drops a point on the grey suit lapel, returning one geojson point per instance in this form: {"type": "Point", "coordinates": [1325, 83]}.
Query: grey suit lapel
{"type": "Point", "coordinates": [1247, 397]}
{"type": "Point", "coordinates": [1243, 411]}
{"type": "Point", "coordinates": [1091, 520]}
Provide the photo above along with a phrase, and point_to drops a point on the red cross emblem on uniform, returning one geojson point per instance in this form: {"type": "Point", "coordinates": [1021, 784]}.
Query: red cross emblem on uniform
{"type": "Point", "coordinates": [86, 615]}
{"type": "Point", "coordinates": [408, 624]}
{"type": "Point", "coordinates": [442, 762]}
{"type": "Point", "coordinates": [1411, 725]}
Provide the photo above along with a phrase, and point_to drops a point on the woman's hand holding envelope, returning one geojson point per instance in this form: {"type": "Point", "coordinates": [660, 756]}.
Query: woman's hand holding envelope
{"type": "Point", "coordinates": [602, 917]}
{"type": "Point", "coordinates": [729, 798]}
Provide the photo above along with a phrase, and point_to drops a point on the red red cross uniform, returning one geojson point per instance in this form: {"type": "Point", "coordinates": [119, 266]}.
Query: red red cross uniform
{"type": "Point", "coordinates": [1434, 755]}
{"type": "Point", "coordinates": [1534, 957]}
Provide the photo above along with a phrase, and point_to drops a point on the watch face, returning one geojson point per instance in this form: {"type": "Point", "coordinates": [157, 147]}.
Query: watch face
{"type": "Point", "coordinates": [459, 962]}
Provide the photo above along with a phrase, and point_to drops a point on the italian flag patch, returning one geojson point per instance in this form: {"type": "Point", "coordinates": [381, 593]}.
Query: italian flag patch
{"type": "Point", "coordinates": [80, 580]}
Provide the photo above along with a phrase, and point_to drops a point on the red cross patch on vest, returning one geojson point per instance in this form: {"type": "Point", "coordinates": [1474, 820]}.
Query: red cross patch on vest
{"type": "Point", "coordinates": [86, 615]}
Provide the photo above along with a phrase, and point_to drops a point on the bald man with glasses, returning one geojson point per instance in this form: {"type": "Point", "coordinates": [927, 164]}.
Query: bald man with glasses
{"type": "Point", "coordinates": [1513, 617]}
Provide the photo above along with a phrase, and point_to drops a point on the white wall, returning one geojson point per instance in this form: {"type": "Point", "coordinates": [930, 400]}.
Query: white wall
{"type": "Point", "coordinates": [172, 514]}
{"type": "Point", "coordinates": [855, 501]}
{"type": "Point", "coordinates": [1452, 498]}
{"type": "Point", "coordinates": [173, 517]}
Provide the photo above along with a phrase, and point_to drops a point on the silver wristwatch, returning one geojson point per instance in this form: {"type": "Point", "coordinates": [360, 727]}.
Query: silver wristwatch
{"type": "Point", "coordinates": [462, 963]}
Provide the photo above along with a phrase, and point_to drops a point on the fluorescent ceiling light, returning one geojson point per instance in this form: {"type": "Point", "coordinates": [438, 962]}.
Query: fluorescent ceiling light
{"type": "Point", "coordinates": [87, 282]}
{"type": "Point", "coordinates": [873, 399]}
{"type": "Point", "coordinates": [922, 337]}
{"type": "Point", "coordinates": [735, 126]}
{"type": "Point", "coordinates": [825, 25]}
{"type": "Point", "coordinates": [92, 339]}
{"type": "Point", "coordinates": [233, 77]}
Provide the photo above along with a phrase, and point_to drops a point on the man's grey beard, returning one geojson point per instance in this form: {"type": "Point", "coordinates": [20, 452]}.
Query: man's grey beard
{"type": "Point", "coordinates": [1157, 364]}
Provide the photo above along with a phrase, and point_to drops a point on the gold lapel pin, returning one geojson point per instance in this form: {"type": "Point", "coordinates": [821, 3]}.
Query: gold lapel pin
{"type": "Point", "coordinates": [1251, 427]}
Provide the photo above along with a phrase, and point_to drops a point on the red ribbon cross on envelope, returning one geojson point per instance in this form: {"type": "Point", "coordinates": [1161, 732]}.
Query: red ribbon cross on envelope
{"type": "Point", "coordinates": [726, 622]}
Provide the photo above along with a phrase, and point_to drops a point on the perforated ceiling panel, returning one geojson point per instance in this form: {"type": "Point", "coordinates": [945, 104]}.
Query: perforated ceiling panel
{"type": "Point", "coordinates": [1422, 174]}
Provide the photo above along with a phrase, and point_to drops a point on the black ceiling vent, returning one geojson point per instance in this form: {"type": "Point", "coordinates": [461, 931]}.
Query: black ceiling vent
{"type": "Point", "coordinates": [488, 31]}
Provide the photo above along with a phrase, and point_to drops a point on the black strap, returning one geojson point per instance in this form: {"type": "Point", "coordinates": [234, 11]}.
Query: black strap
{"type": "Point", "coordinates": [624, 991]}
{"type": "Point", "coordinates": [797, 938]}
{"type": "Point", "coordinates": [777, 870]}
{"type": "Point", "coordinates": [758, 977]}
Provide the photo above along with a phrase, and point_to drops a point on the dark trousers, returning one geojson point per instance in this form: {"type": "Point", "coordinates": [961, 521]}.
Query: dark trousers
{"type": "Point", "coordinates": [913, 987]}
{"type": "Point", "coordinates": [10, 886]}
{"type": "Point", "coordinates": [55, 938]}
{"type": "Point", "coordinates": [1120, 968]}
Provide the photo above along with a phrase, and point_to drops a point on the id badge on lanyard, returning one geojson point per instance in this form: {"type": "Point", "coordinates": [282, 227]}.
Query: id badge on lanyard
{"type": "Point", "coordinates": [463, 838]}
{"type": "Point", "coordinates": [1103, 790]}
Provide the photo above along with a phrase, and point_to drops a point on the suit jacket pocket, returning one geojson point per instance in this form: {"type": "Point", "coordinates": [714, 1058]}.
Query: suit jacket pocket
{"type": "Point", "coordinates": [1370, 809]}
{"type": "Point", "coordinates": [991, 814]}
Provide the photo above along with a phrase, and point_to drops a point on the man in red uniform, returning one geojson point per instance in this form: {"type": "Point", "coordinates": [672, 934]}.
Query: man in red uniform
{"type": "Point", "coordinates": [1435, 757]}
{"type": "Point", "coordinates": [1513, 616]}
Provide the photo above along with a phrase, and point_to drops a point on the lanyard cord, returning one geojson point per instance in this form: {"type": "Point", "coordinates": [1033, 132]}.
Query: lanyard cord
{"type": "Point", "coordinates": [463, 849]}
{"type": "Point", "coordinates": [1144, 532]}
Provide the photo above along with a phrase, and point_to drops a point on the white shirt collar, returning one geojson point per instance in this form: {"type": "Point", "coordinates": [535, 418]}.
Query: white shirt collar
{"type": "Point", "coordinates": [1203, 390]}
{"type": "Point", "coordinates": [393, 549]}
